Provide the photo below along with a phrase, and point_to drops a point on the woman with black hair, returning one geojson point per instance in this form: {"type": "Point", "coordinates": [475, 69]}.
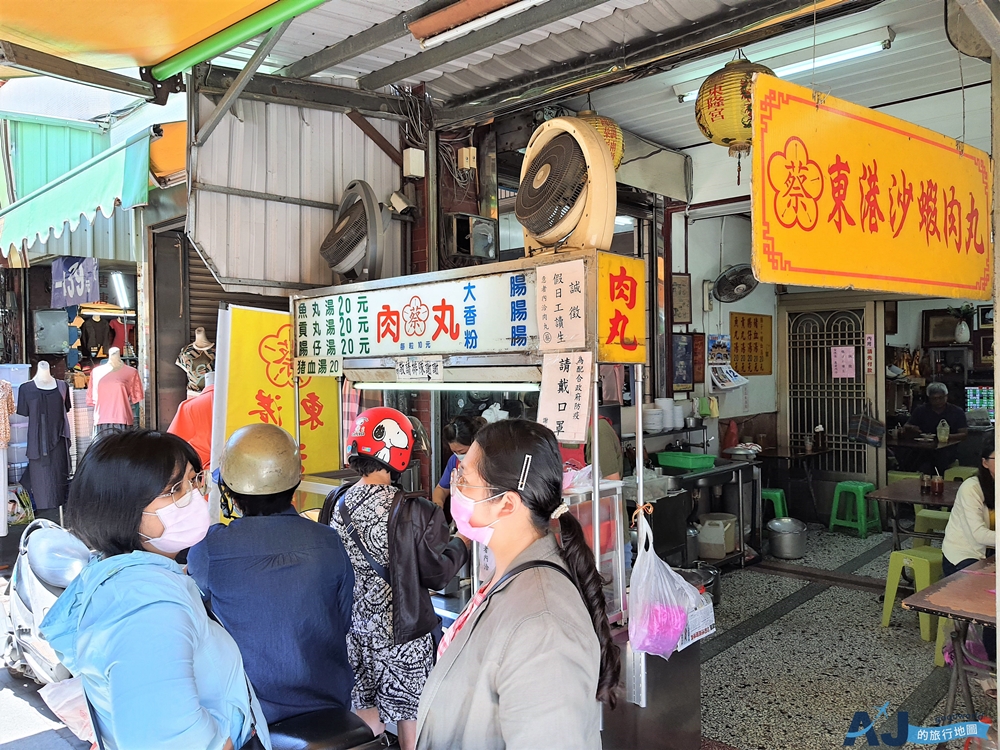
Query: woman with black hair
{"type": "Point", "coordinates": [459, 433]}
{"type": "Point", "coordinates": [970, 535]}
{"type": "Point", "coordinates": [158, 672]}
{"type": "Point", "coordinates": [529, 661]}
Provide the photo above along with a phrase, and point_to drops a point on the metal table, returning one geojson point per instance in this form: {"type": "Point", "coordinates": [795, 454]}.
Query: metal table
{"type": "Point", "coordinates": [784, 455]}
{"type": "Point", "coordinates": [966, 597]}
{"type": "Point", "coordinates": [907, 492]}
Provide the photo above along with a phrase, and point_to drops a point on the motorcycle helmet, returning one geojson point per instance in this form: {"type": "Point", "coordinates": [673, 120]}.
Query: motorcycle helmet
{"type": "Point", "coordinates": [383, 434]}
{"type": "Point", "coordinates": [260, 459]}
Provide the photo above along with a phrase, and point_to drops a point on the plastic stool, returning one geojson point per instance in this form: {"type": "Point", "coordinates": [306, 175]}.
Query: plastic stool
{"type": "Point", "coordinates": [777, 498]}
{"type": "Point", "coordinates": [898, 476]}
{"type": "Point", "coordinates": [929, 520]}
{"type": "Point", "coordinates": [960, 473]}
{"type": "Point", "coordinates": [926, 565]}
{"type": "Point", "coordinates": [859, 513]}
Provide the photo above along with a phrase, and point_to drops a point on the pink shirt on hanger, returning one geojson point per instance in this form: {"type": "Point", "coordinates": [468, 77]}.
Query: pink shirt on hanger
{"type": "Point", "coordinates": [116, 391]}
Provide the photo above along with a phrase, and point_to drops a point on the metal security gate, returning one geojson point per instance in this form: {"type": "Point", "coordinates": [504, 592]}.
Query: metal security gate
{"type": "Point", "coordinates": [815, 397]}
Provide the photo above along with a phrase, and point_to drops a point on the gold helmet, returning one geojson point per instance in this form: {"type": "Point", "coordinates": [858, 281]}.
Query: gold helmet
{"type": "Point", "coordinates": [260, 459]}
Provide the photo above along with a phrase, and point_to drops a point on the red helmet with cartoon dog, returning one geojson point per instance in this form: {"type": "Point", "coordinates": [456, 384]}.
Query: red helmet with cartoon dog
{"type": "Point", "coordinates": [384, 434]}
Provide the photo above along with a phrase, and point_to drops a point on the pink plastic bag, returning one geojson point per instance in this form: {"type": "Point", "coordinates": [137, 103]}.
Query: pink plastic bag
{"type": "Point", "coordinates": [659, 600]}
{"type": "Point", "coordinates": [68, 703]}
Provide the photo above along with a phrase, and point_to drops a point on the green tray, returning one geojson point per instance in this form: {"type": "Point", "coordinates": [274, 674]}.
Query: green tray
{"type": "Point", "coordinates": [685, 460]}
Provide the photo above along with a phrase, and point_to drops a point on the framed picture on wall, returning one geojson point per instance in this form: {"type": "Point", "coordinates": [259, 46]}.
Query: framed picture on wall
{"type": "Point", "coordinates": [891, 317]}
{"type": "Point", "coordinates": [938, 328]}
{"type": "Point", "coordinates": [681, 296]}
{"type": "Point", "coordinates": [699, 357]}
{"type": "Point", "coordinates": [984, 314]}
{"type": "Point", "coordinates": [683, 361]}
{"type": "Point", "coordinates": [982, 349]}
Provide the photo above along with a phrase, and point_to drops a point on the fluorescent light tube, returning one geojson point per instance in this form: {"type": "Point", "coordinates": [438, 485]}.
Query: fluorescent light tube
{"type": "Point", "coordinates": [480, 23]}
{"type": "Point", "coordinates": [119, 284]}
{"type": "Point", "coordinates": [791, 64]}
{"type": "Point", "coordinates": [438, 386]}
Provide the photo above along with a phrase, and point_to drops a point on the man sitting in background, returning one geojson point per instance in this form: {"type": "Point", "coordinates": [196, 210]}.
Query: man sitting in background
{"type": "Point", "coordinates": [925, 419]}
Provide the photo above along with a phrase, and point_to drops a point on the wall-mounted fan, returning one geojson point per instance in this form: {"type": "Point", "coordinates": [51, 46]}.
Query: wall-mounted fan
{"type": "Point", "coordinates": [356, 246]}
{"type": "Point", "coordinates": [567, 197]}
{"type": "Point", "coordinates": [733, 284]}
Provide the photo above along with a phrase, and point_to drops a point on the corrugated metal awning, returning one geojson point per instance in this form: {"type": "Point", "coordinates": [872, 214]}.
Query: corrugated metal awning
{"type": "Point", "coordinates": [117, 177]}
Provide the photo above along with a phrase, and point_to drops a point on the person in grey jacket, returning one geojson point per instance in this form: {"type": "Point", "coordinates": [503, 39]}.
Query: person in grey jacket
{"type": "Point", "coordinates": [530, 660]}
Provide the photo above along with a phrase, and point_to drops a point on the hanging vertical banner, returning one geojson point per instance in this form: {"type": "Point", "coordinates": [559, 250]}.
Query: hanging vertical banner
{"type": "Point", "coordinates": [260, 387]}
{"type": "Point", "coordinates": [751, 340]}
{"type": "Point", "coordinates": [847, 197]}
{"type": "Point", "coordinates": [621, 309]}
{"type": "Point", "coordinates": [870, 354]}
{"type": "Point", "coordinates": [563, 404]}
{"type": "Point", "coordinates": [75, 282]}
{"type": "Point", "coordinates": [560, 304]}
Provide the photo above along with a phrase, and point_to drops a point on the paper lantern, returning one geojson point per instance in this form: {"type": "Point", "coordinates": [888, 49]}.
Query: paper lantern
{"type": "Point", "coordinates": [724, 110]}
{"type": "Point", "coordinates": [610, 131]}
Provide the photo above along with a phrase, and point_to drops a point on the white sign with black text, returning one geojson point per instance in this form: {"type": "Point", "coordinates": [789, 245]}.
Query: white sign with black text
{"type": "Point", "coordinates": [560, 306]}
{"type": "Point", "coordinates": [563, 404]}
{"type": "Point", "coordinates": [423, 369]}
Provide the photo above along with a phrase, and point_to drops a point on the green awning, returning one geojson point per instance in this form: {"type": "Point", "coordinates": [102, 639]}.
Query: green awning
{"type": "Point", "coordinates": [116, 177]}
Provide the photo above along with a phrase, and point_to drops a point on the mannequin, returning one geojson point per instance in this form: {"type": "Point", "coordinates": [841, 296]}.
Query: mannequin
{"type": "Point", "coordinates": [6, 409]}
{"type": "Point", "coordinates": [193, 421]}
{"type": "Point", "coordinates": [197, 359]}
{"type": "Point", "coordinates": [45, 402]}
{"type": "Point", "coordinates": [112, 390]}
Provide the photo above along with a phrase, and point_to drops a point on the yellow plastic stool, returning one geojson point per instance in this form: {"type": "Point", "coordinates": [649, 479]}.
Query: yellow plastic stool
{"type": "Point", "coordinates": [926, 565]}
{"type": "Point", "coordinates": [959, 473]}
{"type": "Point", "coordinates": [898, 476]}
{"type": "Point", "coordinates": [929, 520]}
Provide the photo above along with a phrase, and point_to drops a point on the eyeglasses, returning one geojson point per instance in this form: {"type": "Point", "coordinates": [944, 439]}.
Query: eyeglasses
{"type": "Point", "coordinates": [198, 482]}
{"type": "Point", "coordinates": [458, 480]}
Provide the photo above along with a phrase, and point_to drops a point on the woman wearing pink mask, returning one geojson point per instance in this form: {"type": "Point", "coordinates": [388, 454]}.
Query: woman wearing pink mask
{"type": "Point", "coordinates": [530, 660]}
{"type": "Point", "coordinates": [459, 434]}
{"type": "Point", "coordinates": [158, 672]}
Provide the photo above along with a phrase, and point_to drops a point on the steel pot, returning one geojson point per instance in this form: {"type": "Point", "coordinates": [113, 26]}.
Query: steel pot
{"type": "Point", "coordinates": [692, 422]}
{"type": "Point", "coordinates": [788, 538]}
{"type": "Point", "coordinates": [741, 454]}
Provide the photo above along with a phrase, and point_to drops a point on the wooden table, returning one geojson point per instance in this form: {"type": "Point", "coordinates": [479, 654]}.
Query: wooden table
{"type": "Point", "coordinates": [967, 596]}
{"type": "Point", "coordinates": [922, 445]}
{"type": "Point", "coordinates": [907, 492]}
{"type": "Point", "coordinates": [786, 456]}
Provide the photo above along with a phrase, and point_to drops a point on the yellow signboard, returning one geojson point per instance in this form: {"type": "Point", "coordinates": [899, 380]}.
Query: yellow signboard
{"type": "Point", "coordinates": [844, 196]}
{"type": "Point", "coordinates": [621, 309]}
{"type": "Point", "coordinates": [260, 388]}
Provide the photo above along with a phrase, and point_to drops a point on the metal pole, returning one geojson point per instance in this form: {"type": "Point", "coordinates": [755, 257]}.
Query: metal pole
{"type": "Point", "coordinates": [995, 97]}
{"type": "Point", "coordinates": [3, 484]}
{"type": "Point", "coordinates": [432, 201]}
{"type": "Point", "coordinates": [298, 415]}
{"type": "Point", "coordinates": [595, 463]}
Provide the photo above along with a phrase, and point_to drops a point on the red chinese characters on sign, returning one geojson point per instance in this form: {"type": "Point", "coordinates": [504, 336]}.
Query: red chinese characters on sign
{"type": "Point", "coordinates": [623, 287]}
{"type": "Point", "coordinates": [387, 324]}
{"type": "Point", "coordinates": [798, 184]}
{"type": "Point", "coordinates": [953, 221]}
{"type": "Point", "coordinates": [275, 351]}
{"type": "Point", "coordinates": [900, 198]}
{"type": "Point", "coordinates": [927, 204]}
{"type": "Point", "coordinates": [313, 409]}
{"type": "Point", "coordinates": [619, 327]}
{"type": "Point", "coordinates": [268, 411]}
{"type": "Point", "coordinates": [972, 235]}
{"type": "Point", "coordinates": [444, 318]}
{"type": "Point", "coordinates": [871, 213]}
{"type": "Point", "coordinates": [839, 181]}
{"type": "Point", "coordinates": [715, 104]}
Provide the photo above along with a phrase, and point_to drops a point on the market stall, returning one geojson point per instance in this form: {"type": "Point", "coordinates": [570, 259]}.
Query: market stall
{"type": "Point", "coordinates": [538, 325]}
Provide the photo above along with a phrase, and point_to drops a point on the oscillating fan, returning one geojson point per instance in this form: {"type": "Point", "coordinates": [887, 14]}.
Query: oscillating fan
{"type": "Point", "coordinates": [567, 196]}
{"type": "Point", "coordinates": [355, 247]}
{"type": "Point", "coordinates": [734, 283]}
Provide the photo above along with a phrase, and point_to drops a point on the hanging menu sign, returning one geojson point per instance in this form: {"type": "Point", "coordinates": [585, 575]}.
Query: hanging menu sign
{"type": "Point", "coordinates": [563, 405]}
{"type": "Point", "coordinates": [751, 343]}
{"type": "Point", "coordinates": [560, 306]}
{"type": "Point", "coordinates": [477, 315]}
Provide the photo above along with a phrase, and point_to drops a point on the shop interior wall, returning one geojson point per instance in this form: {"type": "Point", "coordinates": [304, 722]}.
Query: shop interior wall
{"type": "Point", "coordinates": [910, 319]}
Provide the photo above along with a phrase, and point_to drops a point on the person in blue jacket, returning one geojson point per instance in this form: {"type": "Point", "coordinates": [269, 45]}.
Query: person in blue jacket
{"type": "Point", "coordinates": [282, 585]}
{"type": "Point", "coordinates": [158, 672]}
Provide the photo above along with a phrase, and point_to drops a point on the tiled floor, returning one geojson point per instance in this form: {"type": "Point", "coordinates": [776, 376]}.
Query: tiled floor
{"type": "Point", "coordinates": [795, 681]}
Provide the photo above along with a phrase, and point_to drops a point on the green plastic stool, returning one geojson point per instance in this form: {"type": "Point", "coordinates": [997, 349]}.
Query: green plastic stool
{"type": "Point", "coordinates": [898, 476]}
{"type": "Point", "coordinates": [960, 473]}
{"type": "Point", "coordinates": [926, 565]}
{"type": "Point", "coordinates": [927, 520]}
{"type": "Point", "coordinates": [859, 514]}
{"type": "Point", "coordinates": [777, 498]}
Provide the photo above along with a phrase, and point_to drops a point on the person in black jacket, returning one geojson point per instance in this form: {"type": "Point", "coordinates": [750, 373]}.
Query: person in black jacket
{"type": "Point", "coordinates": [400, 547]}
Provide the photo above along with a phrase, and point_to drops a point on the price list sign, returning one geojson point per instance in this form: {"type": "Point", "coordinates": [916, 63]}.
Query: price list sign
{"type": "Point", "coordinates": [751, 343]}
{"type": "Point", "coordinates": [563, 405]}
{"type": "Point", "coordinates": [561, 306]}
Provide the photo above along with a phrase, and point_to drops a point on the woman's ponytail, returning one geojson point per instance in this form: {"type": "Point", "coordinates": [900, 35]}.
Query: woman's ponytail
{"type": "Point", "coordinates": [579, 557]}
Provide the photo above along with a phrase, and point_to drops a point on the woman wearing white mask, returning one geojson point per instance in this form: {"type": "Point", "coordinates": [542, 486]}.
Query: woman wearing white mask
{"type": "Point", "coordinates": [158, 672]}
{"type": "Point", "coordinates": [528, 662]}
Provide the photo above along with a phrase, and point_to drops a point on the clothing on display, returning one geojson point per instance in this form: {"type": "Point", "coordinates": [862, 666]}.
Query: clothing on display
{"type": "Point", "coordinates": [121, 334]}
{"type": "Point", "coordinates": [196, 362]}
{"type": "Point", "coordinates": [193, 422]}
{"type": "Point", "coordinates": [95, 337]}
{"type": "Point", "coordinates": [7, 408]}
{"type": "Point", "coordinates": [112, 392]}
{"type": "Point", "coordinates": [110, 427]}
{"type": "Point", "coordinates": [612, 383]}
{"type": "Point", "coordinates": [47, 476]}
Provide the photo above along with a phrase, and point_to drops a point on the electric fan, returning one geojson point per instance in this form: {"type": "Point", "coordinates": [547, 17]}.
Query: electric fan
{"type": "Point", "coordinates": [356, 245]}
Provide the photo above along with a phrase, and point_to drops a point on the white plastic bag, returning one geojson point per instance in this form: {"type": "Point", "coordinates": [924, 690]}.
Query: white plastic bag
{"type": "Point", "coordinates": [659, 600]}
{"type": "Point", "coordinates": [494, 414]}
{"type": "Point", "coordinates": [69, 704]}
{"type": "Point", "coordinates": [578, 481]}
